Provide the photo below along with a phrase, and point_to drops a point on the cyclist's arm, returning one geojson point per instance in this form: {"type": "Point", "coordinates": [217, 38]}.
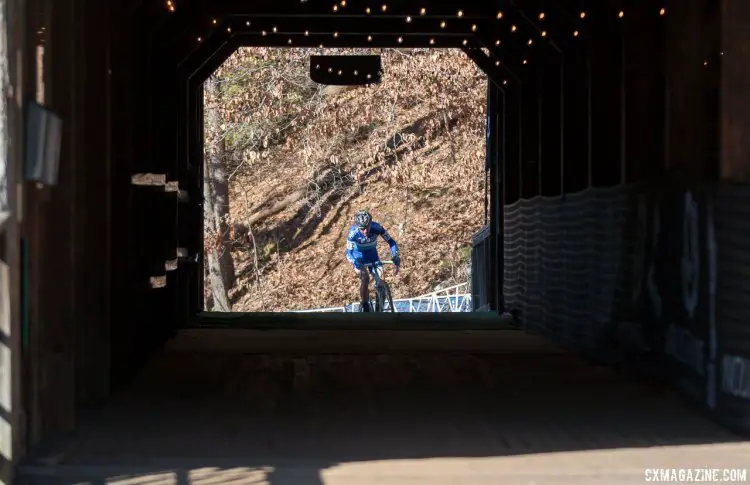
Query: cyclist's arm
{"type": "Point", "coordinates": [391, 242]}
{"type": "Point", "coordinates": [350, 246]}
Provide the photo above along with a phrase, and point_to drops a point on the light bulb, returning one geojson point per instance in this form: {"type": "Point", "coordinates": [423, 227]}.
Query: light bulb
{"type": "Point", "coordinates": [442, 24]}
{"type": "Point", "coordinates": [432, 41]}
{"type": "Point", "coordinates": [367, 10]}
{"type": "Point", "coordinates": [575, 33]}
{"type": "Point", "coordinates": [497, 42]}
{"type": "Point", "coordinates": [339, 72]}
{"type": "Point", "coordinates": [229, 29]}
{"type": "Point", "coordinates": [460, 13]}
{"type": "Point", "coordinates": [474, 28]}
{"type": "Point", "coordinates": [525, 62]}
{"type": "Point", "coordinates": [499, 15]}
{"type": "Point", "coordinates": [307, 32]}
{"type": "Point", "coordinates": [705, 63]}
{"type": "Point", "coordinates": [544, 33]}
{"type": "Point", "coordinates": [289, 41]}
{"type": "Point", "coordinates": [400, 40]}
{"type": "Point", "coordinates": [214, 21]}
{"type": "Point", "coordinates": [541, 16]}
{"type": "Point", "coordinates": [497, 63]}
{"type": "Point", "coordinates": [369, 76]}
{"type": "Point", "coordinates": [356, 73]}
{"type": "Point", "coordinates": [320, 46]}
{"type": "Point", "coordinates": [513, 28]}
{"type": "Point", "coordinates": [583, 15]}
{"type": "Point", "coordinates": [200, 39]}
{"type": "Point", "coordinates": [531, 41]}
{"type": "Point", "coordinates": [662, 11]}
{"type": "Point", "coordinates": [505, 81]}
{"type": "Point", "coordinates": [384, 8]}
{"type": "Point", "coordinates": [330, 69]}
{"type": "Point", "coordinates": [336, 34]}
{"type": "Point", "coordinates": [466, 41]}
{"type": "Point", "coordinates": [408, 19]}
{"type": "Point", "coordinates": [369, 38]}
{"type": "Point", "coordinates": [343, 3]}
{"type": "Point", "coordinates": [422, 11]}
{"type": "Point", "coordinates": [264, 33]}
{"type": "Point", "coordinates": [335, 8]}
{"type": "Point", "coordinates": [247, 23]}
{"type": "Point", "coordinates": [317, 66]}
{"type": "Point", "coordinates": [275, 30]}
{"type": "Point", "coordinates": [621, 14]}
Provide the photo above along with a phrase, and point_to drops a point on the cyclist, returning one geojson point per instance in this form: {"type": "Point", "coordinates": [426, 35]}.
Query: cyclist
{"type": "Point", "coordinates": [362, 248]}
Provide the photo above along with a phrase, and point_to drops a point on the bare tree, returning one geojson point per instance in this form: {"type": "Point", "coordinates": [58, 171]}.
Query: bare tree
{"type": "Point", "coordinates": [216, 209]}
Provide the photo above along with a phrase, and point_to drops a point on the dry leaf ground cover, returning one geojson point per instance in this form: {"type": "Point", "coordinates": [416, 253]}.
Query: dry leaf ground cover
{"type": "Point", "coordinates": [410, 149]}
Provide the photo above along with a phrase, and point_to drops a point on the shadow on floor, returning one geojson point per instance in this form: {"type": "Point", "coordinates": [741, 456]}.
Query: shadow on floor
{"type": "Point", "coordinates": [230, 418]}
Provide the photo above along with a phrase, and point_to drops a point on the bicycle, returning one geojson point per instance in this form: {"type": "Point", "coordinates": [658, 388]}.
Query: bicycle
{"type": "Point", "coordinates": [383, 298]}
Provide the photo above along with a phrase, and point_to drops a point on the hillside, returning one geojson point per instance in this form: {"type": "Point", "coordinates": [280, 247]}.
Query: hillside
{"type": "Point", "coordinates": [302, 159]}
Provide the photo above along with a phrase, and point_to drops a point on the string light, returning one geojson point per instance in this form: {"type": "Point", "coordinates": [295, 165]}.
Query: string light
{"type": "Point", "coordinates": [384, 7]}
{"type": "Point", "coordinates": [513, 28]}
{"type": "Point", "coordinates": [335, 34]}
{"type": "Point", "coordinates": [330, 69]}
{"type": "Point", "coordinates": [575, 33]}
{"type": "Point", "coordinates": [621, 14]}
{"type": "Point", "coordinates": [500, 15]}
{"type": "Point", "coordinates": [422, 11]}
{"type": "Point", "coordinates": [335, 8]}
{"type": "Point", "coordinates": [320, 46]}
{"type": "Point", "coordinates": [541, 16]}
{"type": "Point", "coordinates": [442, 24]}
{"type": "Point", "coordinates": [229, 29]}
{"type": "Point", "coordinates": [213, 21]}
{"type": "Point", "coordinates": [466, 41]}
{"type": "Point", "coordinates": [460, 13]}
{"type": "Point", "coordinates": [356, 73]}
{"type": "Point", "coordinates": [705, 63]}
{"type": "Point", "coordinates": [307, 32]}
{"type": "Point", "coordinates": [497, 42]}
{"type": "Point", "coordinates": [369, 38]}
{"type": "Point", "coordinates": [317, 66]}
{"type": "Point", "coordinates": [369, 76]}
{"type": "Point", "coordinates": [200, 39]}
{"type": "Point", "coordinates": [525, 62]}
{"type": "Point", "coordinates": [497, 63]}
{"type": "Point", "coordinates": [367, 10]}
{"type": "Point", "coordinates": [247, 23]}
{"type": "Point", "coordinates": [583, 15]}
{"type": "Point", "coordinates": [544, 33]}
{"type": "Point", "coordinates": [408, 20]}
{"type": "Point", "coordinates": [343, 3]}
{"type": "Point", "coordinates": [531, 41]}
{"type": "Point", "coordinates": [289, 41]}
{"type": "Point", "coordinates": [505, 82]}
{"type": "Point", "coordinates": [432, 41]}
{"type": "Point", "coordinates": [400, 40]}
{"type": "Point", "coordinates": [263, 33]}
{"type": "Point", "coordinates": [662, 11]}
{"type": "Point", "coordinates": [474, 28]}
{"type": "Point", "coordinates": [275, 30]}
{"type": "Point", "coordinates": [339, 73]}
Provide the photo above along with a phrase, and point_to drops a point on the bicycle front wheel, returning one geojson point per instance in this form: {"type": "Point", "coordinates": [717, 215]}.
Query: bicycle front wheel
{"type": "Point", "coordinates": [385, 300]}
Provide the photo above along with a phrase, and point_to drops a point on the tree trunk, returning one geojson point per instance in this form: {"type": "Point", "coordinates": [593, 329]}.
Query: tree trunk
{"type": "Point", "coordinates": [216, 209]}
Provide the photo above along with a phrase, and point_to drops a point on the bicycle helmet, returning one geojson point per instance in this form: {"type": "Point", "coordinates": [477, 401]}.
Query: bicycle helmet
{"type": "Point", "coordinates": [363, 219]}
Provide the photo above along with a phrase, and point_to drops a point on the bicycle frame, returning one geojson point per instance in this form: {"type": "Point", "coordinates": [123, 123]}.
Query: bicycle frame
{"type": "Point", "coordinates": [371, 267]}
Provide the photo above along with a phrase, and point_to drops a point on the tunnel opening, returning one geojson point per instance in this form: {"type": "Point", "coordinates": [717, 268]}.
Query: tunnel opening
{"type": "Point", "coordinates": [617, 180]}
{"type": "Point", "coordinates": [291, 173]}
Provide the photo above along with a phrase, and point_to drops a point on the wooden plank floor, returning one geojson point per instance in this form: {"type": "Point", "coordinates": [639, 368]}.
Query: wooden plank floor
{"type": "Point", "coordinates": [536, 417]}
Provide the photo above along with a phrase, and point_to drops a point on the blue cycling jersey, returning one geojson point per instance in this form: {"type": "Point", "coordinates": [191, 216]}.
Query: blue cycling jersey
{"type": "Point", "coordinates": [364, 249]}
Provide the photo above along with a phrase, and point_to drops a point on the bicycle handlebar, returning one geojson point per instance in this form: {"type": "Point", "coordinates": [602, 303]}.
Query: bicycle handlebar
{"type": "Point", "coordinates": [369, 265]}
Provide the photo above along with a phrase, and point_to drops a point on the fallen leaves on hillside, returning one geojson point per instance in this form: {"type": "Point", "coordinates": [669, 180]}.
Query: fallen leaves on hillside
{"type": "Point", "coordinates": [410, 149]}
